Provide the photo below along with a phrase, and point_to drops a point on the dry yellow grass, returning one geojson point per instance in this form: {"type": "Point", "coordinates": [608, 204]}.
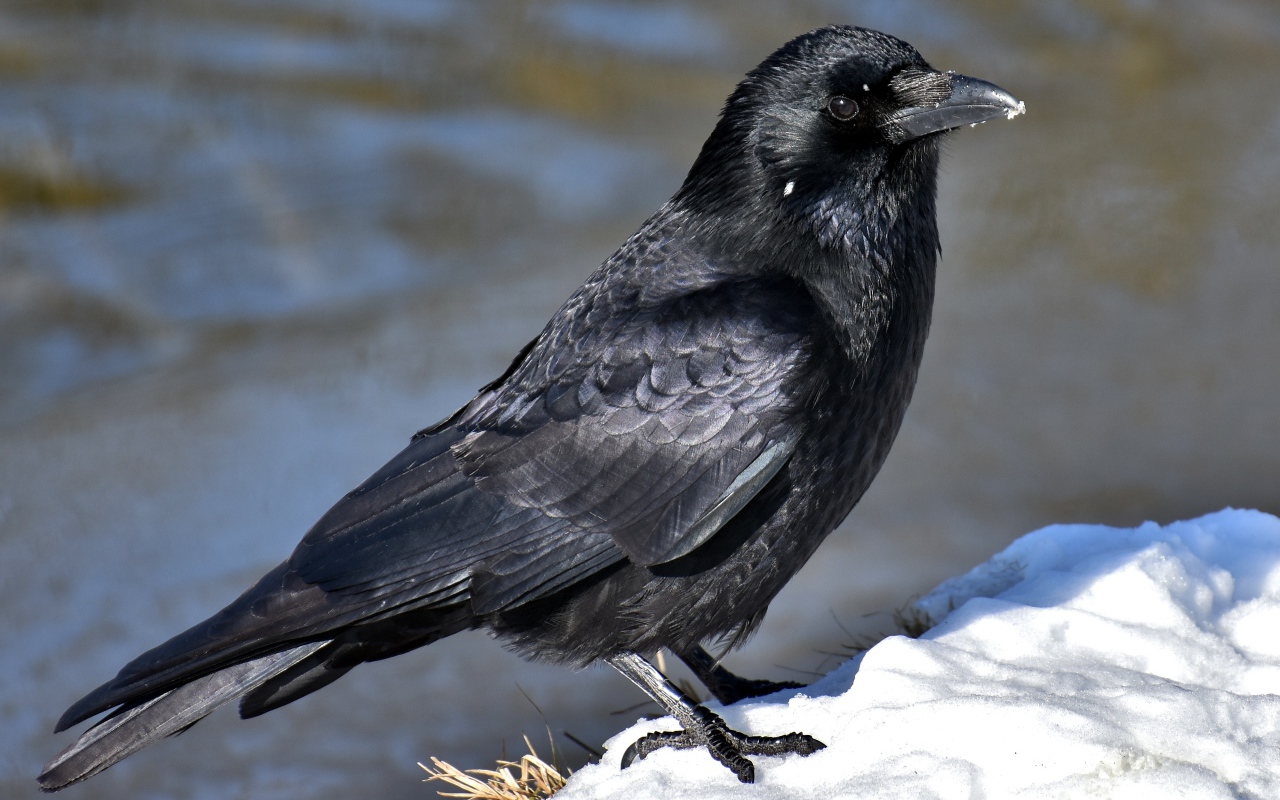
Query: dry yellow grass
{"type": "Point", "coordinates": [534, 780]}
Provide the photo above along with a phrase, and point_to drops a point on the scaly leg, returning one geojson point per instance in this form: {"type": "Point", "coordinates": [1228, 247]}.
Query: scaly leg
{"type": "Point", "coordinates": [702, 728]}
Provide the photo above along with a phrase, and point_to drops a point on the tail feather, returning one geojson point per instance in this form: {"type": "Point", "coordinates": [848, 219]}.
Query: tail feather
{"type": "Point", "coordinates": [138, 724]}
{"type": "Point", "coordinates": [311, 674]}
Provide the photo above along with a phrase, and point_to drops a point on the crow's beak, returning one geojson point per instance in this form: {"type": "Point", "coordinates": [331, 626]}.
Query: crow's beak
{"type": "Point", "coordinates": [971, 101]}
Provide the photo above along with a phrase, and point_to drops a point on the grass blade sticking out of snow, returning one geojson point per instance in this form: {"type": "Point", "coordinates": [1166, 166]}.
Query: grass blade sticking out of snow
{"type": "Point", "coordinates": [534, 780]}
{"type": "Point", "coordinates": [910, 621]}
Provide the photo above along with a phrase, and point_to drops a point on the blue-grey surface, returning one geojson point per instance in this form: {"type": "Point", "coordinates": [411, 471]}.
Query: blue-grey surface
{"type": "Point", "coordinates": [246, 249]}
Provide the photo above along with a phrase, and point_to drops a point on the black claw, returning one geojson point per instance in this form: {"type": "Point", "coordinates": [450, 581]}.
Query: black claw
{"type": "Point", "coordinates": [726, 745]}
{"type": "Point", "coordinates": [630, 755]}
{"type": "Point", "coordinates": [656, 741]}
{"type": "Point", "coordinates": [702, 727]}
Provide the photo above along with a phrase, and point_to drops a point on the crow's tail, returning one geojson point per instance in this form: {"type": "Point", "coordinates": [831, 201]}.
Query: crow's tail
{"type": "Point", "coordinates": [135, 725]}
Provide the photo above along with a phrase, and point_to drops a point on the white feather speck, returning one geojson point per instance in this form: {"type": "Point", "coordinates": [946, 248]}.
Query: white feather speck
{"type": "Point", "coordinates": [789, 188]}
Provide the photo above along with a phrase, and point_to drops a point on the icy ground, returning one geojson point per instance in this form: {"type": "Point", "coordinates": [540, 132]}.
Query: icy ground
{"type": "Point", "coordinates": [1083, 661]}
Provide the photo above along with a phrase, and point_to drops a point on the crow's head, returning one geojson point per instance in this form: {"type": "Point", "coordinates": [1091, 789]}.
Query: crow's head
{"type": "Point", "coordinates": [837, 131]}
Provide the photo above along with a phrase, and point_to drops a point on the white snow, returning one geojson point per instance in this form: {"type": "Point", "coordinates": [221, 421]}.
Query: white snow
{"type": "Point", "coordinates": [1083, 661]}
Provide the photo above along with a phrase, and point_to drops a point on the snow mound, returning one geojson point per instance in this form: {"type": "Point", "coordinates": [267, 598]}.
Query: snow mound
{"type": "Point", "coordinates": [1083, 661]}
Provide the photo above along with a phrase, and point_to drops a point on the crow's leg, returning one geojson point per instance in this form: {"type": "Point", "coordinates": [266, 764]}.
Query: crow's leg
{"type": "Point", "coordinates": [727, 687]}
{"type": "Point", "coordinates": [702, 728]}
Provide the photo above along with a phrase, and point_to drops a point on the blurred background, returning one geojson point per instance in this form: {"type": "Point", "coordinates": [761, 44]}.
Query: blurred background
{"type": "Point", "coordinates": [248, 248]}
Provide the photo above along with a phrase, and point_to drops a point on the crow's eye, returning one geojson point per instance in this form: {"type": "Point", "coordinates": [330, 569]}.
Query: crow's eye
{"type": "Point", "coordinates": [842, 108]}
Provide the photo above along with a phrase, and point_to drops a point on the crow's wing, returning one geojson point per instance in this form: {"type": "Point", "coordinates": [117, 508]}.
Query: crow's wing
{"type": "Point", "coordinates": [637, 434]}
{"type": "Point", "coordinates": [616, 435]}
{"type": "Point", "coordinates": [645, 440]}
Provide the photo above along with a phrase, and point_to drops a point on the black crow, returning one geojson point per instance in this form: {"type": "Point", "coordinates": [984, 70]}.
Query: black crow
{"type": "Point", "coordinates": [653, 467]}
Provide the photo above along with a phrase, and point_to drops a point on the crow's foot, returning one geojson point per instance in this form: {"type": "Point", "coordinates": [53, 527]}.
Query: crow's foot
{"type": "Point", "coordinates": [727, 687]}
{"type": "Point", "coordinates": [726, 745]}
